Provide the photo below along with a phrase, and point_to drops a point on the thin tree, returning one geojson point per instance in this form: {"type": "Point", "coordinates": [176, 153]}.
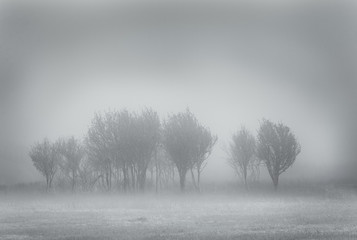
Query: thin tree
{"type": "Point", "coordinates": [99, 145]}
{"type": "Point", "coordinates": [182, 141]}
{"type": "Point", "coordinates": [148, 128]}
{"type": "Point", "coordinates": [241, 154]}
{"type": "Point", "coordinates": [45, 157]}
{"type": "Point", "coordinates": [205, 144]}
{"type": "Point", "coordinates": [88, 175]}
{"type": "Point", "coordinates": [277, 148]}
{"type": "Point", "coordinates": [122, 143]}
{"type": "Point", "coordinates": [72, 152]}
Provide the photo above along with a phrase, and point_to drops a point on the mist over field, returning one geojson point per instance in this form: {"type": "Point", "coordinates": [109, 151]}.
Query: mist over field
{"type": "Point", "coordinates": [177, 120]}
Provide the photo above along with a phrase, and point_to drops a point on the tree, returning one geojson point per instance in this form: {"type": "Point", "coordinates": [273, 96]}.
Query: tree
{"type": "Point", "coordinates": [277, 148]}
{"type": "Point", "coordinates": [72, 152]}
{"type": "Point", "coordinates": [138, 137]}
{"type": "Point", "coordinates": [45, 157]}
{"type": "Point", "coordinates": [99, 145]}
{"type": "Point", "coordinates": [205, 143]}
{"type": "Point", "coordinates": [163, 168]}
{"type": "Point", "coordinates": [122, 141]}
{"type": "Point", "coordinates": [147, 139]}
{"type": "Point", "coordinates": [87, 174]}
{"type": "Point", "coordinates": [242, 151]}
{"type": "Point", "coordinates": [183, 141]}
{"type": "Point", "coordinates": [120, 138]}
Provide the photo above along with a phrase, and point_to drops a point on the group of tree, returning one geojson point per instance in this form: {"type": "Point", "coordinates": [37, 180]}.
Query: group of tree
{"type": "Point", "coordinates": [276, 147]}
{"type": "Point", "coordinates": [122, 147]}
{"type": "Point", "coordinates": [63, 155]}
{"type": "Point", "coordinates": [129, 151]}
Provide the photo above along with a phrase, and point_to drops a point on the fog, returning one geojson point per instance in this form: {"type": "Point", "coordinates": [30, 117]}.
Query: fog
{"type": "Point", "coordinates": [231, 63]}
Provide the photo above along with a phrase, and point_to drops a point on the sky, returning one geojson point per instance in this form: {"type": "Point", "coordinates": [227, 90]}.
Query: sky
{"type": "Point", "coordinates": [231, 63]}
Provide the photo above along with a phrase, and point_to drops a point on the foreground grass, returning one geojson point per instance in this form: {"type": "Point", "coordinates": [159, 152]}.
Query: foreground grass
{"type": "Point", "coordinates": [177, 217]}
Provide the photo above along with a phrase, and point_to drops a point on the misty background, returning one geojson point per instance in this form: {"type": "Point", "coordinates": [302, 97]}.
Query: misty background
{"type": "Point", "coordinates": [231, 63]}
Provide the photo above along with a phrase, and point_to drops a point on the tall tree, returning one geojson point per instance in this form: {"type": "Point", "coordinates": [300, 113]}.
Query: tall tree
{"type": "Point", "coordinates": [205, 143]}
{"type": "Point", "coordinates": [99, 145]}
{"type": "Point", "coordinates": [148, 137]}
{"type": "Point", "coordinates": [88, 175]}
{"type": "Point", "coordinates": [120, 138]}
{"type": "Point", "coordinates": [182, 140]}
{"type": "Point", "coordinates": [45, 157]}
{"type": "Point", "coordinates": [277, 148]}
{"type": "Point", "coordinates": [124, 141]}
{"type": "Point", "coordinates": [241, 154]}
{"type": "Point", "coordinates": [161, 169]}
{"type": "Point", "coordinates": [72, 152]}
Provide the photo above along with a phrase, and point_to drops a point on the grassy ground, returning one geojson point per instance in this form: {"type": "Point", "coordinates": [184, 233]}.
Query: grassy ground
{"type": "Point", "coordinates": [177, 217]}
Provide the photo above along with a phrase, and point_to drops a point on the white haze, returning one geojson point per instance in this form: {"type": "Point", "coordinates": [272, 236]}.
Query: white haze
{"type": "Point", "coordinates": [228, 72]}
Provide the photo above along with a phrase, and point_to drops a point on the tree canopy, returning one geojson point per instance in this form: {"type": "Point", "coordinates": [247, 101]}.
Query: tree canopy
{"type": "Point", "coordinates": [187, 142]}
{"type": "Point", "coordinates": [277, 148]}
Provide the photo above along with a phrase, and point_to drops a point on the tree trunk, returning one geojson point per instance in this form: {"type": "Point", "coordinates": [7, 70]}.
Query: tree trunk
{"type": "Point", "coordinates": [50, 183]}
{"type": "Point", "coordinates": [47, 183]}
{"type": "Point", "coordinates": [132, 178]}
{"type": "Point", "coordinates": [125, 178]}
{"type": "Point", "coordinates": [173, 175]}
{"type": "Point", "coordinates": [73, 180]}
{"type": "Point", "coordinates": [156, 173]}
{"type": "Point", "coordinates": [107, 179]}
{"type": "Point", "coordinates": [182, 180]}
{"type": "Point", "coordinates": [110, 178]}
{"type": "Point", "coordinates": [142, 179]}
{"type": "Point", "coordinates": [245, 178]}
{"type": "Point", "coordinates": [198, 179]}
{"type": "Point", "coordinates": [275, 182]}
{"type": "Point", "coordinates": [194, 180]}
{"type": "Point", "coordinates": [151, 175]}
{"type": "Point", "coordinates": [157, 178]}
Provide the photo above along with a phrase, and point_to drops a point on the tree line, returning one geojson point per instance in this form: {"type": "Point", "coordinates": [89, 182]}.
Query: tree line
{"type": "Point", "coordinates": [129, 151]}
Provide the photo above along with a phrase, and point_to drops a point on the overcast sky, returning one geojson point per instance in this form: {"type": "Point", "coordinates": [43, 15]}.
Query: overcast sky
{"type": "Point", "coordinates": [231, 63]}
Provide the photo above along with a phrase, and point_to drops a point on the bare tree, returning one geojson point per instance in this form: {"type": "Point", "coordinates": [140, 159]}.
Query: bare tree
{"type": "Point", "coordinates": [148, 136]}
{"type": "Point", "coordinates": [277, 148]}
{"type": "Point", "coordinates": [163, 169]}
{"type": "Point", "coordinates": [88, 174]}
{"type": "Point", "coordinates": [99, 145]}
{"type": "Point", "coordinates": [205, 144]}
{"type": "Point", "coordinates": [241, 154]}
{"type": "Point", "coordinates": [72, 152]}
{"type": "Point", "coordinates": [182, 140]}
{"type": "Point", "coordinates": [45, 157]}
{"type": "Point", "coordinates": [120, 138]}
{"type": "Point", "coordinates": [122, 141]}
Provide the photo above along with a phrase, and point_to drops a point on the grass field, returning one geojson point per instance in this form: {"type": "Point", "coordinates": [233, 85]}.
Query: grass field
{"type": "Point", "coordinates": [192, 216]}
